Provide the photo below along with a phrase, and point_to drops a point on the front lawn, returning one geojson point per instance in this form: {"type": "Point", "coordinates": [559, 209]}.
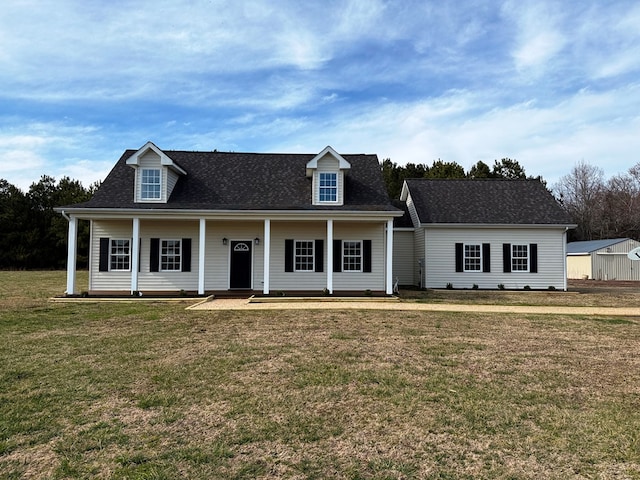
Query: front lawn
{"type": "Point", "coordinates": [149, 390]}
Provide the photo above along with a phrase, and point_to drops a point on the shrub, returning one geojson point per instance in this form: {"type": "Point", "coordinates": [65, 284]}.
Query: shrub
{"type": "Point", "coordinates": [501, 286]}
{"type": "Point", "coordinates": [475, 286]}
{"type": "Point", "coordinates": [449, 286]}
{"type": "Point", "coordinates": [527, 287]}
{"type": "Point", "coordinates": [551, 287]}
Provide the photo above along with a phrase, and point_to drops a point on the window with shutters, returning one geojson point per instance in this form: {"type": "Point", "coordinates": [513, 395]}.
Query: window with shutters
{"type": "Point", "coordinates": [472, 258]}
{"type": "Point", "coordinates": [304, 260]}
{"type": "Point", "coordinates": [120, 254]}
{"type": "Point", "coordinates": [519, 258]}
{"type": "Point", "coordinates": [170, 255]}
{"type": "Point", "coordinates": [352, 256]}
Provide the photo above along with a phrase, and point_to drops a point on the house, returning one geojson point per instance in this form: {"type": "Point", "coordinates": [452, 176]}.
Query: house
{"type": "Point", "coordinates": [489, 233]}
{"type": "Point", "coordinates": [169, 221]}
{"type": "Point", "coordinates": [602, 260]}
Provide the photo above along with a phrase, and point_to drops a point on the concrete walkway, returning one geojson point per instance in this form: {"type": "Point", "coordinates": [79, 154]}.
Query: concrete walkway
{"type": "Point", "coordinates": [364, 304]}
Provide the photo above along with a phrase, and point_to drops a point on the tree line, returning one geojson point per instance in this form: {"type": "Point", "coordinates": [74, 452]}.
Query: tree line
{"type": "Point", "coordinates": [602, 208]}
{"type": "Point", "coordinates": [34, 236]}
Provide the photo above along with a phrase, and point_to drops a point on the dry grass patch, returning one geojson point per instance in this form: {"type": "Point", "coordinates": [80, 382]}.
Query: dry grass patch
{"type": "Point", "coordinates": [151, 391]}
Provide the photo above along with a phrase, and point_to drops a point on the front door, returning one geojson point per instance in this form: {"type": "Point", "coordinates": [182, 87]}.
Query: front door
{"type": "Point", "coordinates": [240, 265]}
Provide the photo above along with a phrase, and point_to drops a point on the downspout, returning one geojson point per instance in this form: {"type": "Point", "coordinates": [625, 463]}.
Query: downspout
{"type": "Point", "coordinates": [65, 215]}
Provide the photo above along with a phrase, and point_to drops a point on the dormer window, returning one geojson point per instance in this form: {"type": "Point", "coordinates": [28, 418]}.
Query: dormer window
{"type": "Point", "coordinates": [150, 187]}
{"type": "Point", "coordinates": [327, 171]}
{"type": "Point", "coordinates": [328, 187]}
{"type": "Point", "coordinates": [156, 174]}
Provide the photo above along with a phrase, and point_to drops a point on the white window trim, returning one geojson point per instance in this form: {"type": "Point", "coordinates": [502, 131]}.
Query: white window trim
{"type": "Point", "coordinates": [344, 256]}
{"type": "Point", "coordinates": [513, 257]}
{"type": "Point", "coordinates": [143, 183]}
{"type": "Point", "coordinates": [179, 241]}
{"type": "Point", "coordinates": [111, 255]}
{"type": "Point", "coordinates": [313, 256]}
{"type": "Point", "coordinates": [464, 258]}
{"type": "Point", "coordinates": [337, 188]}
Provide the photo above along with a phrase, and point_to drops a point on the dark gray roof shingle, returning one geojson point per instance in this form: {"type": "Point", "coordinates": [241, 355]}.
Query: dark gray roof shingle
{"type": "Point", "coordinates": [487, 201]}
{"type": "Point", "coordinates": [246, 181]}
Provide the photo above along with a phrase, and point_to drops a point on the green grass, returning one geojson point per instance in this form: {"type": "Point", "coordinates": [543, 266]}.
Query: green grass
{"type": "Point", "coordinates": [151, 391]}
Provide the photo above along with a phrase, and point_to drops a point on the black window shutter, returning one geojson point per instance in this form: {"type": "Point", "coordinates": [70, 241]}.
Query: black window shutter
{"type": "Point", "coordinates": [103, 265]}
{"type": "Point", "coordinates": [506, 257]}
{"type": "Point", "coordinates": [486, 257]}
{"type": "Point", "coordinates": [337, 255]}
{"type": "Point", "coordinates": [288, 255]}
{"type": "Point", "coordinates": [366, 254]}
{"type": "Point", "coordinates": [319, 252]}
{"type": "Point", "coordinates": [533, 258]}
{"type": "Point", "coordinates": [186, 254]}
{"type": "Point", "coordinates": [154, 255]}
{"type": "Point", "coordinates": [459, 258]}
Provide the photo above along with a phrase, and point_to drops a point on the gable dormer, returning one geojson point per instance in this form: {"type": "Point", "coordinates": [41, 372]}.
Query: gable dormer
{"type": "Point", "coordinates": [156, 174]}
{"type": "Point", "coordinates": [327, 171]}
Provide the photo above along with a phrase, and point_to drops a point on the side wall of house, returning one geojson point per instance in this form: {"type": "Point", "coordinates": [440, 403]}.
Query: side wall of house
{"type": "Point", "coordinates": [419, 264]}
{"type": "Point", "coordinates": [441, 257]}
{"type": "Point", "coordinates": [403, 257]}
{"type": "Point", "coordinates": [613, 264]}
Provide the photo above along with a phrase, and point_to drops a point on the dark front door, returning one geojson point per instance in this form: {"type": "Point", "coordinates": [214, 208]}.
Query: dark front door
{"type": "Point", "coordinates": [240, 276]}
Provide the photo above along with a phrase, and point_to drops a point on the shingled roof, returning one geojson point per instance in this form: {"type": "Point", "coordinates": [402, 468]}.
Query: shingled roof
{"type": "Point", "coordinates": [246, 181]}
{"type": "Point", "coordinates": [486, 201]}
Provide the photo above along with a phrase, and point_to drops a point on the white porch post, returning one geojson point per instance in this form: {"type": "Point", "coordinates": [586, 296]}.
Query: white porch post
{"type": "Point", "coordinates": [135, 254]}
{"type": "Point", "coordinates": [267, 255]}
{"type": "Point", "coordinates": [201, 255]}
{"type": "Point", "coordinates": [330, 256]}
{"type": "Point", "coordinates": [389, 270]}
{"type": "Point", "coordinates": [72, 249]}
{"type": "Point", "coordinates": [564, 256]}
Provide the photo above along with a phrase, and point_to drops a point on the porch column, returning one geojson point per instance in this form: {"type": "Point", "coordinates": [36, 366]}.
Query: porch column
{"type": "Point", "coordinates": [72, 250]}
{"type": "Point", "coordinates": [135, 254]}
{"type": "Point", "coordinates": [267, 255]}
{"type": "Point", "coordinates": [201, 255]}
{"type": "Point", "coordinates": [389, 256]}
{"type": "Point", "coordinates": [564, 256]}
{"type": "Point", "coordinates": [330, 256]}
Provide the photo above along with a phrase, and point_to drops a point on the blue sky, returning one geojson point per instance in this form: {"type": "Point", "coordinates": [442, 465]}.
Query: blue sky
{"type": "Point", "coordinates": [549, 83]}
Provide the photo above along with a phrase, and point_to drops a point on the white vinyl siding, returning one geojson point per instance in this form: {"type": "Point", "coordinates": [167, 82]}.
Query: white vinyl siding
{"type": "Point", "coordinates": [440, 254]}
{"type": "Point", "coordinates": [281, 280]}
{"type": "Point", "coordinates": [418, 246]}
{"type": "Point", "coordinates": [403, 257]}
{"type": "Point", "coordinates": [172, 281]}
{"type": "Point", "coordinates": [361, 281]}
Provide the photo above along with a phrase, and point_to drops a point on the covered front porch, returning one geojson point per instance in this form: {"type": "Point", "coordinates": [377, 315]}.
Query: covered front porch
{"type": "Point", "coordinates": [151, 254]}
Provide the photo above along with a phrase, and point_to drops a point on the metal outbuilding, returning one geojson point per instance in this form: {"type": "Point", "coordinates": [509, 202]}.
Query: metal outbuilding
{"type": "Point", "coordinates": [602, 260]}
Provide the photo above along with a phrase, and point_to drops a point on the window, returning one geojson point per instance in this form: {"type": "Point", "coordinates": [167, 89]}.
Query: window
{"type": "Point", "coordinates": [170, 255]}
{"type": "Point", "coordinates": [328, 187]}
{"type": "Point", "coordinates": [472, 258]}
{"type": "Point", "coordinates": [519, 258]}
{"type": "Point", "coordinates": [351, 256]}
{"type": "Point", "coordinates": [304, 261]}
{"type": "Point", "coordinates": [150, 186]}
{"type": "Point", "coordinates": [120, 254]}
